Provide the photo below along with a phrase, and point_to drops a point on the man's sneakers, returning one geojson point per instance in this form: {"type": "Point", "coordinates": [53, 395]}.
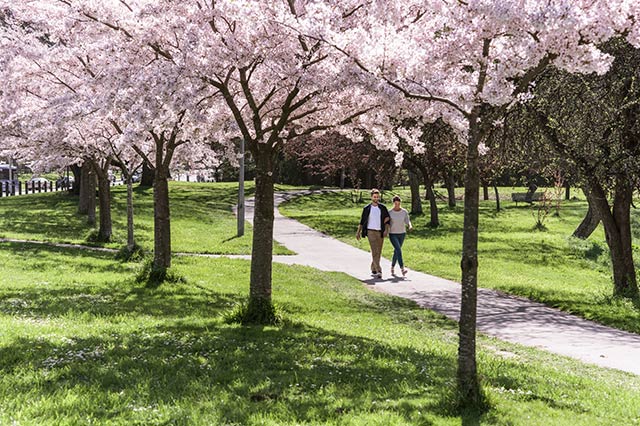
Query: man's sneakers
{"type": "Point", "coordinates": [376, 274]}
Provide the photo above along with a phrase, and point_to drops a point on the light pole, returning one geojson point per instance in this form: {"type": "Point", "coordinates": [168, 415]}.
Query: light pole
{"type": "Point", "coordinates": [241, 189]}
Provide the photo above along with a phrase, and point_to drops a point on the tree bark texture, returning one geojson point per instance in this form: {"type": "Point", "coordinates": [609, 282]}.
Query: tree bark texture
{"type": "Point", "coordinates": [590, 221]}
{"type": "Point", "coordinates": [131, 242]}
{"type": "Point", "coordinates": [485, 192]}
{"type": "Point", "coordinates": [161, 221]}
{"type": "Point", "coordinates": [414, 185]}
{"type": "Point", "coordinates": [451, 189]}
{"type": "Point", "coordinates": [434, 221]}
{"type": "Point", "coordinates": [617, 227]}
{"type": "Point", "coordinates": [77, 179]}
{"type": "Point", "coordinates": [147, 176]}
{"type": "Point", "coordinates": [468, 386]}
{"type": "Point", "coordinates": [83, 189]}
{"type": "Point", "coordinates": [104, 195]}
{"type": "Point", "coordinates": [495, 191]}
{"type": "Point", "coordinates": [91, 196]}
{"type": "Point", "coordinates": [261, 251]}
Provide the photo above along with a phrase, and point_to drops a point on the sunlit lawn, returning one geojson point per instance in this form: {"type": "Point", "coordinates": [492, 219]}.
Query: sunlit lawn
{"type": "Point", "coordinates": [202, 219]}
{"type": "Point", "coordinates": [82, 343]}
{"type": "Point", "coordinates": [550, 266]}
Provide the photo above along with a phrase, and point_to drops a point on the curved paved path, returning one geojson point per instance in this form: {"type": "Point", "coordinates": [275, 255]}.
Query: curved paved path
{"type": "Point", "coordinates": [507, 317]}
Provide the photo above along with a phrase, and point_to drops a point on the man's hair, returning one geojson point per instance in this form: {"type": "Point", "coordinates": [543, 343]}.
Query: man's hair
{"type": "Point", "coordinates": [375, 191]}
{"type": "Point", "coordinates": [396, 198]}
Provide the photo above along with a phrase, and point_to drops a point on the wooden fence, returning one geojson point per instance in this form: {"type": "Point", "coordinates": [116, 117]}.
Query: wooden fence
{"type": "Point", "coordinates": [7, 189]}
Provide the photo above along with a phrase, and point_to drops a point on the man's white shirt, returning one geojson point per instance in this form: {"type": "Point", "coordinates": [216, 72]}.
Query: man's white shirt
{"type": "Point", "coordinates": [375, 218]}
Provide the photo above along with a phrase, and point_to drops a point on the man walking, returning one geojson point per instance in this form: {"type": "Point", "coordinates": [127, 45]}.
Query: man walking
{"type": "Point", "coordinates": [374, 224]}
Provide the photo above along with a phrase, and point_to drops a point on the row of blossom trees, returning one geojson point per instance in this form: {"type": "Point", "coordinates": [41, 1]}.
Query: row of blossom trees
{"type": "Point", "coordinates": [160, 81]}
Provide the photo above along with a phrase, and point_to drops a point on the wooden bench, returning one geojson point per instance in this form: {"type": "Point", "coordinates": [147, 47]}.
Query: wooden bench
{"type": "Point", "coordinates": [526, 197]}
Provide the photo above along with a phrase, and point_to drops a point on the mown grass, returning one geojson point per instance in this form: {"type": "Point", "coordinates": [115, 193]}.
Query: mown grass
{"type": "Point", "coordinates": [81, 343]}
{"type": "Point", "coordinates": [551, 267]}
{"type": "Point", "coordinates": [202, 219]}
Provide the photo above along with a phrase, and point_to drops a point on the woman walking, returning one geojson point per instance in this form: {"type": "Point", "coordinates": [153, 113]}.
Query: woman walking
{"type": "Point", "coordinates": [399, 221]}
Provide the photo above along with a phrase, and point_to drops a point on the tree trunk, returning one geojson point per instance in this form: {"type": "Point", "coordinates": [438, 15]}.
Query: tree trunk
{"type": "Point", "coordinates": [414, 185]}
{"type": "Point", "coordinates": [343, 175]}
{"type": "Point", "coordinates": [468, 386]}
{"type": "Point", "coordinates": [368, 178]}
{"type": "Point", "coordinates": [617, 227]}
{"type": "Point", "coordinates": [147, 177]}
{"type": "Point", "coordinates": [83, 189]}
{"type": "Point", "coordinates": [91, 196]}
{"type": "Point", "coordinates": [485, 192]}
{"type": "Point", "coordinates": [434, 221]}
{"type": "Point", "coordinates": [130, 236]}
{"type": "Point", "coordinates": [495, 191]}
{"type": "Point", "coordinates": [104, 194]}
{"type": "Point", "coordinates": [161, 220]}
{"type": "Point", "coordinates": [567, 192]}
{"type": "Point", "coordinates": [260, 308]}
{"type": "Point", "coordinates": [451, 189]}
{"type": "Point", "coordinates": [590, 221]}
{"type": "Point", "coordinates": [77, 178]}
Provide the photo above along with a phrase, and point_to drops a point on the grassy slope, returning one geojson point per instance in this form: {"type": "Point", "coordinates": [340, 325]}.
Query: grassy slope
{"type": "Point", "coordinates": [550, 267]}
{"type": "Point", "coordinates": [81, 343]}
{"type": "Point", "coordinates": [201, 217]}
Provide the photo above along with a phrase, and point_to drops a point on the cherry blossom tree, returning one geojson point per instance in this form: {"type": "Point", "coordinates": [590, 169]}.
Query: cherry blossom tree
{"type": "Point", "coordinates": [278, 86]}
{"type": "Point", "coordinates": [111, 61]}
{"type": "Point", "coordinates": [457, 59]}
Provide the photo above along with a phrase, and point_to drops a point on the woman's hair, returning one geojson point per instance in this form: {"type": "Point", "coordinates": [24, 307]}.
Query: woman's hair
{"type": "Point", "coordinates": [396, 198]}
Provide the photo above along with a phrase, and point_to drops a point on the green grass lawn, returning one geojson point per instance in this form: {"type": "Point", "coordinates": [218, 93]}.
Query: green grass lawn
{"type": "Point", "coordinates": [550, 267]}
{"type": "Point", "coordinates": [202, 219]}
{"type": "Point", "coordinates": [82, 343]}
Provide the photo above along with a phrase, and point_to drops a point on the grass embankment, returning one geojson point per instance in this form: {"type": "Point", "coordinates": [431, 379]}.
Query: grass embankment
{"type": "Point", "coordinates": [551, 267]}
{"type": "Point", "coordinates": [81, 343]}
{"type": "Point", "coordinates": [201, 218]}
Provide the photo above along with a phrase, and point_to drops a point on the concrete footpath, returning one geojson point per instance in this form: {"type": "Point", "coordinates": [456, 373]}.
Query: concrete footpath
{"type": "Point", "coordinates": [510, 318]}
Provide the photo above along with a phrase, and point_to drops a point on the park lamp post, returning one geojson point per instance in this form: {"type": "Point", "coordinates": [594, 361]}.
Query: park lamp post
{"type": "Point", "coordinates": [241, 188]}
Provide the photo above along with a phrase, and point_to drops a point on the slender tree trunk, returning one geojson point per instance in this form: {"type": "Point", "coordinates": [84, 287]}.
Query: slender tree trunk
{"type": "Point", "coordinates": [567, 191]}
{"type": "Point", "coordinates": [104, 194]}
{"type": "Point", "coordinates": [434, 221]}
{"type": "Point", "coordinates": [260, 305]}
{"type": "Point", "coordinates": [590, 221]}
{"type": "Point", "coordinates": [495, 191]}
{"type": "Point", "coordinates": [451, 189]}
{"type": "Point", "coordinates": [485, 192]}
{"type": "Point", "coordinates": [617, 227]}
{"type": "Point", "coordinates": [83, 189]}
{"type": "Point", "coordinates": [91, 196]}
{"type": "Point", "coordinates": [130, 235]}
{"type": "Point", "coordinates": [161, 220]}
{"type": "Point", "coordinates": [414, 185]}
{"type": "Point", "coordinates": [468, 386]}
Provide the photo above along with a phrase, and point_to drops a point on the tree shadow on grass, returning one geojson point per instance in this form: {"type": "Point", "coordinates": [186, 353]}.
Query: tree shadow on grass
{"type": "Point", "coordinates": [307, 374]}
{"type": "Point", "coordinates": [45, 257]}
{"type": "Point", "coordinates": [119, 300]}
{"type": "Point", "coordinates": [53, 215]}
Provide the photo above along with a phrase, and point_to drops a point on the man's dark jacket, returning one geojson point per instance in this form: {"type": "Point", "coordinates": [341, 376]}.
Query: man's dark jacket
{"type": "Point", "coordinates": [364, 219]}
